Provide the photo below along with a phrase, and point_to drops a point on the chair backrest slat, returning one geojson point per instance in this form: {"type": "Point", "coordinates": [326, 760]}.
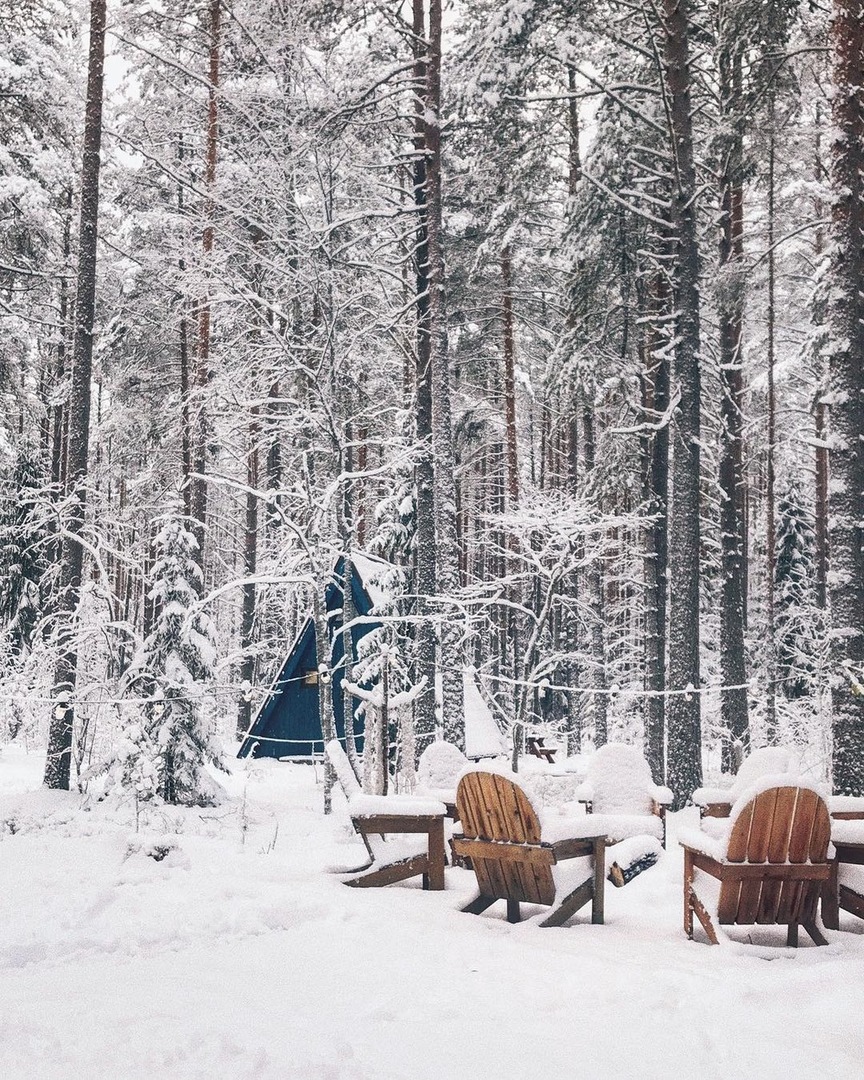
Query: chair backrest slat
{"type": "Point", "coordinates": [784, 816]}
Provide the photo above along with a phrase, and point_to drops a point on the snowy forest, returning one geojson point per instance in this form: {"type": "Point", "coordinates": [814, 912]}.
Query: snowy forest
{"type": "Point", "coordinates": [555, 306]}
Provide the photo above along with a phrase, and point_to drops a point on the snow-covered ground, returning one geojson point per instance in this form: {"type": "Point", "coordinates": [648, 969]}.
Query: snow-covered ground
{"type": "Point", "coordinates": [238, 956]}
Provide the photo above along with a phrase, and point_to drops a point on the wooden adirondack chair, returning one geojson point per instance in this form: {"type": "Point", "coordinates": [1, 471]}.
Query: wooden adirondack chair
{"type": "Point", "coordinates": [770, 867]}
{"type": "Point", "coordinates": [501, 837]}
{"type": "Point", "coordinates": [377, 817]}
{"type": "Point", "coordinates": [619, 787]}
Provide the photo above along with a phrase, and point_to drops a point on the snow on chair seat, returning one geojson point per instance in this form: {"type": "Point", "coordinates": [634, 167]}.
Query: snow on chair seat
{"type": "Point", "coordinates": [619, 787]}
{"type": "Point", "coordinates": [769, 865]}
{"type": "Point", "coordinates": [502, 838]}
{"type": "Point", "coordinates": [378, 818]}
{"type": "Point", "coordinates": [766, 761]}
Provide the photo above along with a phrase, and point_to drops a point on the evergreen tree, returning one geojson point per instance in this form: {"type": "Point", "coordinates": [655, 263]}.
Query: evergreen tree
{"type": "Point", "coordinates": [23, 562]}
{"type": "Point", "coordinates": [795, 570]}
{"type": "Point", "coordinates": [177, 666]}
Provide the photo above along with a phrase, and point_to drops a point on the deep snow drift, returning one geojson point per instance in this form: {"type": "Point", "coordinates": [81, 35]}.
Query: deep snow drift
{"type": "Point", "coordinates": [238, 955]}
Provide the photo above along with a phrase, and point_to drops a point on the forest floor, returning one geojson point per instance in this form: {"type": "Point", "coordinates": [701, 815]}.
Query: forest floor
{"type": "Point", "coordinates": [239, 956]}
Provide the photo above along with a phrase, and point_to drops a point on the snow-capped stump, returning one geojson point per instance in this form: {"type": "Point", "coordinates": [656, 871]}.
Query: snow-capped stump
{"type": "Point", "coordinates": [161, 849]}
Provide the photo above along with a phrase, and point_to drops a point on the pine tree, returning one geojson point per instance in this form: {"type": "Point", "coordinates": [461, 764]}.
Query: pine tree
{"type": "Point", "coordinates": [59, 759]}
{"type": "Point", "coordinates": [794, 576]}
{"type": "Point", "coordinates": [23, 556]}
{"type": "Point", "coordinates": [177, 667]}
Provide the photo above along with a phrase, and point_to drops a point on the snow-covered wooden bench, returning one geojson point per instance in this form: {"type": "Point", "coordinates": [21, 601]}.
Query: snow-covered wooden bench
{"type": "Point", "coordinates": [766, 761]}
{"type": "Point", "coordinates": [767, 863]}
{"type": "Point", "coordinates": [502, 838]}
{"type": "Point", "coordinates": [390, 827]}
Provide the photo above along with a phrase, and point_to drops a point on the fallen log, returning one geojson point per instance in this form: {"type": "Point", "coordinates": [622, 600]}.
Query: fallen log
{"type": "Point", "coordinates": [630, 858]}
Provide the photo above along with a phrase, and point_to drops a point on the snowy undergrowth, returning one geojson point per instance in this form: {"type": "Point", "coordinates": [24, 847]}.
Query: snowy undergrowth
{"type": "Point", "coordinates": [236, 953]}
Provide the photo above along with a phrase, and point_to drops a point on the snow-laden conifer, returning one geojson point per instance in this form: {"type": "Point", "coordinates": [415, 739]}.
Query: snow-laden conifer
{"type": "Point", "coordinates": [177, 664]}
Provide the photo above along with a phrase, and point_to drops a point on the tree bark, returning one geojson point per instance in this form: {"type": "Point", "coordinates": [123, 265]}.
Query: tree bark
{"type": "Point", "coordinates": [58, 762]}
{"type": "Point", "coordinates": [509, 376]}
{"type": "Point", "coordinates": [684, 707]}
{"type": "Point", "coordinates": [446, 541]}
{"type": "Point", "coordinates": [770, 525]}
{"type": "Point", "coordinates": [202, 368]}
{"type": "Point", "coordinates": [424, 473]}
{"type": "Point", "coordinates": [657, 551]}
{"type": "Point", "coordinates": [250, 566]}
{"type": "Point", "coordinates": [733, 671]}
{"type": "Point", "coordinates": [847, 401]}
{"type": "Point", "coordinates": [599, 682]}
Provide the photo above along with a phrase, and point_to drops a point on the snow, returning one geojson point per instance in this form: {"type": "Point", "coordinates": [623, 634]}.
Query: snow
{"type": "Point", "coordinates": [239, 955]}
{"type": "Point", "coordinates": [377, 577]}
{"type": "Point", "coordinates": [483, 738]}
{"type": "Point", "coordinates": [438, 770]}
{"type": "Point", "coordinates": [396, 805]}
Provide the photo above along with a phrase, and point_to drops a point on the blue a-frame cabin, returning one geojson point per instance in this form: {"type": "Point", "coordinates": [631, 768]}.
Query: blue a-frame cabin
{"type": "Point", "coordinates": [287, 724]}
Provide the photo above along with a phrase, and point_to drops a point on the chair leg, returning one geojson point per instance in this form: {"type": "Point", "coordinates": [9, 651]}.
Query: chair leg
{"type": "Point", "coordinates": [478, 904]}
{"type": "Point", "coordinates": [688, 915]}
{"type": "Point", "coordinates": [792, 936]}
{"type": "Point", "coordinates": [570, 905]}
{"type": "Point", "coordinates": [514, 914]}
{"type": "Point", "coordinates": [704, 918]}
{"type": "Point", "coordinates": [815, 933]}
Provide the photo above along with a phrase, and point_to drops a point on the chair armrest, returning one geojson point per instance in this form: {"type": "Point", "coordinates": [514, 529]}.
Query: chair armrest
{"type": "Point", "coordinates": [573, 849]}
{"type": "Point", "coordinates": [699, 843]}
{"type": "Point", "coordinates": [662, 795]}
{"type": "Point", "coordinates": [585, 792]}
{"type": "Point", "coordinates": [704, 795]}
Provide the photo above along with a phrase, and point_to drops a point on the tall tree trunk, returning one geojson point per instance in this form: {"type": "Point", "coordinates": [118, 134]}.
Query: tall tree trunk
{"type": "Point", "coordinates": [58, 411]}
{"type": "Point", "coordinates": [323, 652]}
{"type": "Point", "coordinates": [684, 708]}
{"type": "Point", "coordinates": [202, 369]}
{"type": "Point", "coordinates": [821, 504]}
{"type": "Point", "coordinates": [183, 345]}
{"type": "Point", "coordinates": [570, 584]}
{"type": "Point", "coordinates": [250, 566]}
{"type": "Point", "coordinates": [770, 526]}
{"type": "Point", "coordinates": [424, 473]}
{"type": "Point", "coordinates": [599, 682]}
{"type": "Point", "coordinates": [847, 401]}
{"type": "Point", "coordinates": [509, 376]}
{"type": "Point", "coordinates": [656, 553]}
{"type": "Point", "coordinates": [58, 762]}
{"type": "Point", "coordinates": [446, 542]}
{"type": "Point", "coordinates": [349, 614]}
{"type": "Point", "coordinates": [733, 670]}
{"type": "Point", "coordinates": [821, 407]}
